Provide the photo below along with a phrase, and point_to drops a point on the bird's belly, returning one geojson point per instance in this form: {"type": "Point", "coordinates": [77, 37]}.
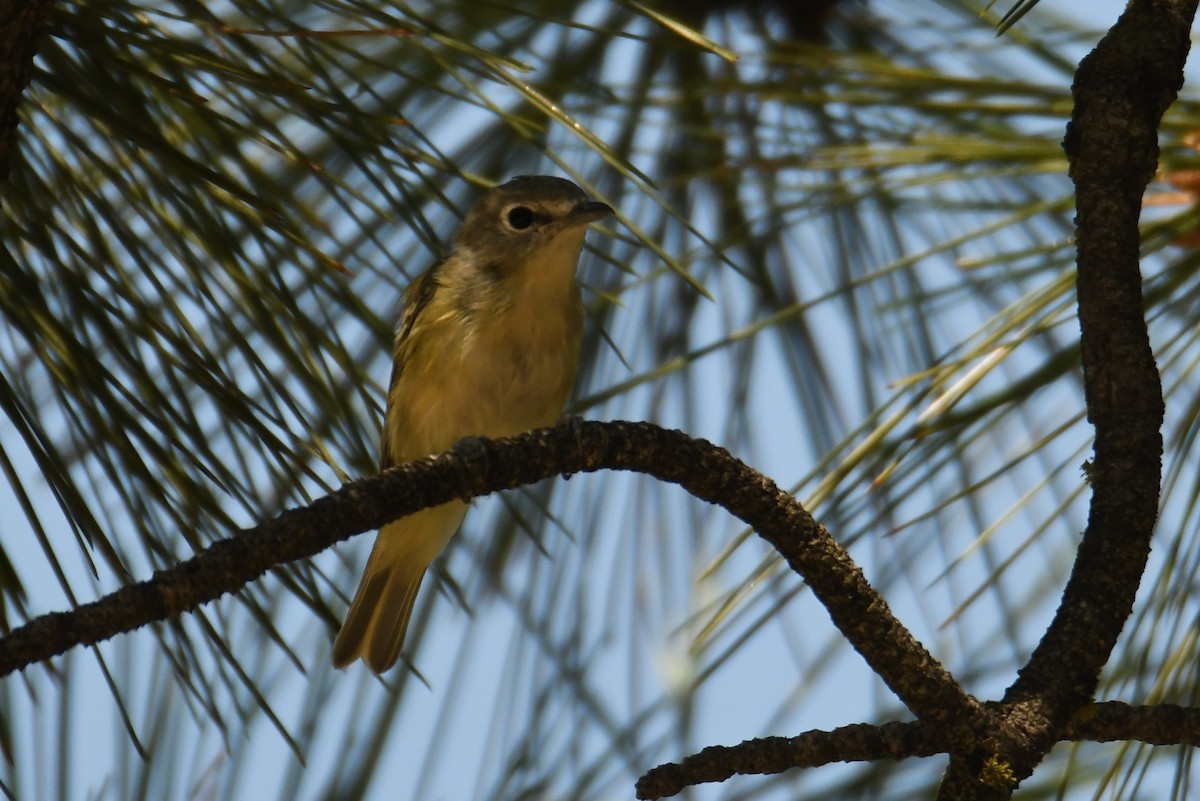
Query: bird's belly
{"type": "Point", "coordinates": [492, 387]}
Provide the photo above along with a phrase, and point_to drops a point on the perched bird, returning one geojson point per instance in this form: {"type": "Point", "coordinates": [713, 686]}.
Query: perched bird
{"type": "Point", "coordinates": [488, 345]}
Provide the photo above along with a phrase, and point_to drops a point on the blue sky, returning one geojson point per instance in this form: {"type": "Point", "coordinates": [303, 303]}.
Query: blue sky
{"type": "Point", "coordinates": [444, 739]}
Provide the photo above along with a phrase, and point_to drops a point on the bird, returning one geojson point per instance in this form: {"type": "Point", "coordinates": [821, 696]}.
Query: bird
{"type": "Point", "coordinates": [487, 346]}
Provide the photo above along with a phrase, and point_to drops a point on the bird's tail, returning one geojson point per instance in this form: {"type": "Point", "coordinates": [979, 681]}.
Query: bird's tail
{"type": "Point", "coordinates": [378, 618]}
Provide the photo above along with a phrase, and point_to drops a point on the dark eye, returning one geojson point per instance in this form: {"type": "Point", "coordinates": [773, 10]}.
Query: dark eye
{"type": "Point", "coordinates": [519, 218]}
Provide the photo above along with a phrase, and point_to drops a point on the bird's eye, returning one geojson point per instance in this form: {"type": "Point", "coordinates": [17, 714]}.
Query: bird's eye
{"type": "Point", "coordinates": [519, 218]}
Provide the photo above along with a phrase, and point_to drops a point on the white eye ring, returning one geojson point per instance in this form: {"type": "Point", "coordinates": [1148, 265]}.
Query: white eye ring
{"type": "Point", "coordinates": [518, 218]}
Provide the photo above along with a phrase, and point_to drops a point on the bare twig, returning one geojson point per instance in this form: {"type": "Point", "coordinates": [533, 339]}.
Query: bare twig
{"type": "Point", "coordinates": [1161, 724]}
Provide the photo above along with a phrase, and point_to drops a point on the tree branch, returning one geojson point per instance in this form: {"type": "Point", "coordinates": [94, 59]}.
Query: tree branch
{"type": "Point", "coordinates": [1162, 724]}
{"type": "Point", "coordinates": [1121, 90]}
{"type": "Point", "coordinates": [22, 23]}
{"type": "Point", "coordinates": [860, 742]}
{"type": "Point", "coordinates": [704, 470]}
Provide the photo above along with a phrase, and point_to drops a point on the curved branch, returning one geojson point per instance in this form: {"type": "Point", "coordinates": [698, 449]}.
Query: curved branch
{"type": "Point", "coordinates": [1121, 90]}
{"type": "Point", "coordinates": [472, 469]}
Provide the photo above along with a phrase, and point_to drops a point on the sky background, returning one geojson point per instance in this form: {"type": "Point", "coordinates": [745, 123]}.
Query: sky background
{"type": "Point", "coordinates": [455, 736]}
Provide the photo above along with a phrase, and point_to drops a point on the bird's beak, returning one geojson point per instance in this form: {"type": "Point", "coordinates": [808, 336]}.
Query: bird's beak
{"type": "Point", "coordinates": [583, 214]}
{"type": "Point", "coordinates": [590, 212]}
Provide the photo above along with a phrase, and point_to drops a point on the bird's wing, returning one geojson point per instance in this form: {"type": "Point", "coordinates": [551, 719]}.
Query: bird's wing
{"type": "Point", "coordinates": [416, 298]}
